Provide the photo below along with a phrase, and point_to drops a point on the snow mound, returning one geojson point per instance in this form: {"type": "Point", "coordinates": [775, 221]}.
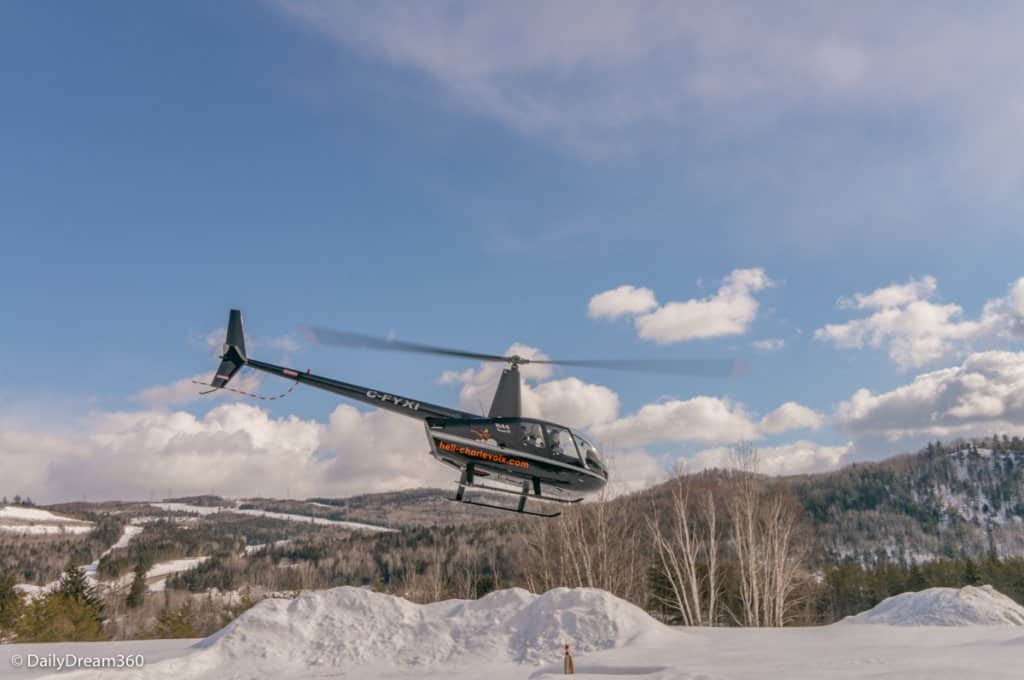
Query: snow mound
{"type": "Point", "coordinates": [343, 628]}
{"type": "Point", "coordinates": [355, 626]}
{"type": "Point", "coordinates": [968, 606]}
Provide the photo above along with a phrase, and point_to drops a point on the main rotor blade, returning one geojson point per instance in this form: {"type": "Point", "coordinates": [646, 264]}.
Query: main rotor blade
{"type": "Point", "coordinates": [703, 368]}
{"type": "Point", "coordinates": [699, 368]}
{"type": "Point", "coordinates": [326, 336]}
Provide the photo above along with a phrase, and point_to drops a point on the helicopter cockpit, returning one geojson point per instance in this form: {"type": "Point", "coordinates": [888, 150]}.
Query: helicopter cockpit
{"type": "Point", "coordinates": [560, 442]}
{"type": "Point", "coordinates": [531, 437]}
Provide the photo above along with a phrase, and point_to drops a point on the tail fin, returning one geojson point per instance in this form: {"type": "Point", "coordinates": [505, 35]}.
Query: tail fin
{"type": "Point", "coordinates": [233, 356]}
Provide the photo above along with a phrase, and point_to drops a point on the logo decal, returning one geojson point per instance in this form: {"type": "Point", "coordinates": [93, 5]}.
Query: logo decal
{"type": "Point", "coordinates": [483, 455]}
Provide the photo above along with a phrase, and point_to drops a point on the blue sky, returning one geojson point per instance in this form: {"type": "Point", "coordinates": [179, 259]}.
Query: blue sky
{"type": "Point", "coordinates": [473, 175]}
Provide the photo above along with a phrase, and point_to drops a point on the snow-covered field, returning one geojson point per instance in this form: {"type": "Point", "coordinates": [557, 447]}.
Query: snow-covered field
{"type": "Point", "coordinates": [355, 633]}
{"type": "Point", "coordinates": [18, 519]}
{"type": "Point", "coordinates": [289, 517]}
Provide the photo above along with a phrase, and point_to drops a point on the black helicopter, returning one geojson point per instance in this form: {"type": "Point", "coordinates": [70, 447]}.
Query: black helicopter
{"type": "Point", "coordinates": [527, 454]}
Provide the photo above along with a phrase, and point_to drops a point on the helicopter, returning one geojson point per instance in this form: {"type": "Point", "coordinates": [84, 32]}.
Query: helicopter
{"type": "Point", "coordinates": [529, 458]}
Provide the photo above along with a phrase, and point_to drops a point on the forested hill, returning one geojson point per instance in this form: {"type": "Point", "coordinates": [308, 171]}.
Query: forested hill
{"type": "Point", "coordinates": [950, 500]}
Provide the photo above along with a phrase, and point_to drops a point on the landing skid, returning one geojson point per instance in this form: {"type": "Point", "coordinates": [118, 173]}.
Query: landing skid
{"type": "Point", "coordinates": [467, 482]}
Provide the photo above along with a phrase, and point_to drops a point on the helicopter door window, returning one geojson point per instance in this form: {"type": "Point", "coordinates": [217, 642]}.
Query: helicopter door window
{"type": "Point", "coordinates": [561, 443]}
{"type": "Point", "coordinates": [532, 435]}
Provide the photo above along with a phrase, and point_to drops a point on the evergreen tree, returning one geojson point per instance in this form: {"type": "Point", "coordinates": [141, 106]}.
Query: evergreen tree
{"type": "Point", "coordinates": [58, 618]}
{"type": "Point", "coordinates": [138, 590]}
{"type": "Point", "coordinates": [970, 577]}
{"type": "Point", "coordinates": [10, 604]}
{"type": "Point", "coordinates": [176, 623]}
{"type": "Point", "coordinates": [916, 580]}
{"type": "Point", "coordinates": [74, 586]}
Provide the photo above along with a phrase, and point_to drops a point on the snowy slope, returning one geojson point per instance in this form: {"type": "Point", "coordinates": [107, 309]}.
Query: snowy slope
{"type": "Point", "coordinates": [969, 606]}
{"type": "Point", "coordinates": [289, 517]}
{"type": "Point", "coordinates": [129, 534]}
{"type": "Point", "coordinates": [32, 514]}
{"type": "Point", "coordinates": [21, 520]}
{"type": "Point", "coordinates": [512, 634]}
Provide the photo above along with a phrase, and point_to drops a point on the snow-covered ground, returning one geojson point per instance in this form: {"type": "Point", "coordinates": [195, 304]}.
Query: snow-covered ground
{"type": "Point", "coordinates": [156, 577]}
{"type": "Point", "coordinates": [256, 547]}
{"type": "Point", "coordinates": [355, 633]}
{"type": "Point", "coordinates": [18, 519]}
{"type": "Point", "coordinates": [186, 507]}
{"type": "Point", "coordinates": [290, 517]}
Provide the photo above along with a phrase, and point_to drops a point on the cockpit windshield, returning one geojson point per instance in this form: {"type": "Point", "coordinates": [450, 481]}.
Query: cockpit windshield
{"type": "Point", "coordinates": [589, 453]}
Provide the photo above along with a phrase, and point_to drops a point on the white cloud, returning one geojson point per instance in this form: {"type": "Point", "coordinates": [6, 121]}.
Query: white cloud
{"type": "Point", "coordinates": [574, 402]}
{"type": "Point", "coordinates": [729, 311]}
{"type": "Point", "coordinates": [633, 470]}
{"type": "Point", "coordinates": [703, 419]}
{"type": "Point", "coordinates": [915, 330]}
{"type": "Point", "coordinates": [791, 416]}
{"type": "Point", "coordinates": [984, 394]}
{"type": "Point", "coordinates": [768, 344]}
{"type": "Point", "coordinates": [236, 450]}
{"type": "Point", "coordinates": [378, 451]}
{"type": "Point", "coordinates": [1015, 306]}
{"type": "Point", "coordinates": [621, 301]}
{"type": "Point", "coordinates": [895, 295]}
{"type": "Point", "coordinates": [800, 457]}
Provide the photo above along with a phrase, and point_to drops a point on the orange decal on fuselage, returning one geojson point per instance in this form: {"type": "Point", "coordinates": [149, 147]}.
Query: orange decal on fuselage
{"type": "Point", "coordinates": [482, 455]}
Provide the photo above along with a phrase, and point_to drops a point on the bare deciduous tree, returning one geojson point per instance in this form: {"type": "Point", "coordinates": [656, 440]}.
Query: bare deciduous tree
{"type": "Point", "coordinates": [769, 555]}
{"type": "Point", "coordinates": [688, 555]}
{"type": "Point", "coordinates": [593, 545]}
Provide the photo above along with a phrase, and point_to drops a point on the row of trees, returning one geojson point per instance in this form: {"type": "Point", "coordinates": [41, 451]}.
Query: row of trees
{"type": "Point", "coordinates": [17, 500]}
{"type": "Point", "coordinates": [721, 548]}
{"type": "Point", "coordinates": [851, 588]}
{"type": "Point", "coordinates": [77, 611]}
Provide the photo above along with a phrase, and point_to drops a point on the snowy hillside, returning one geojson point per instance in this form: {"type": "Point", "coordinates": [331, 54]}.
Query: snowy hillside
{"type": "Point", "coordinates": [17, 519]}
{"type": "Point", "coordinates": [350, 632]}
{"type": "Point", "coordinates": [968, 606]}
{"type": "Point", "coordinates": [288, 517]}
{"type": "Point", "coordinates": [966, 498]}
{"type": "Point", "coordinates": [156, 576]}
